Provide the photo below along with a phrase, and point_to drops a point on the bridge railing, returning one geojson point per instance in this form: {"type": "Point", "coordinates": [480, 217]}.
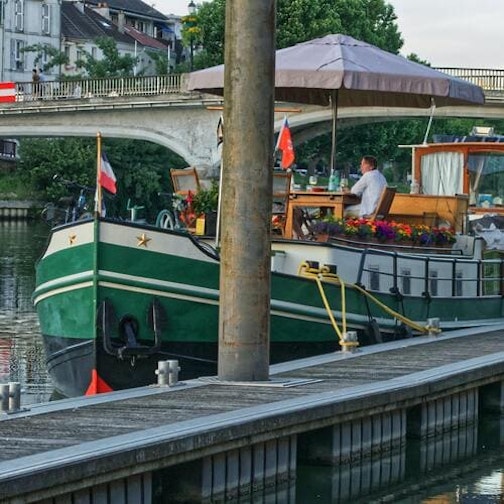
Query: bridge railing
{"type": "Point", "coordinates": [99, 88]}
{"type": "Point", "coordinates": [488, 79]}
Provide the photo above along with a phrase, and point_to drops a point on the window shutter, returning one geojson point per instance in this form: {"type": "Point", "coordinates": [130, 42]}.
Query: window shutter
{"type": "Point", "coordinates": [12, 54]}
{"type": "Point", "coordinates": [19, 15]}
{"type": "Point", "coordinates": [46, 19]}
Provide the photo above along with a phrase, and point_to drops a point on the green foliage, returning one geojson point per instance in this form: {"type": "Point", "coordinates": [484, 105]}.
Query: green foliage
{"type": "Point", "coordinates": [43, 159]}
{"type": "Point", "coordinates": [112, 64]}
{"type": "Point", "coordinates": [160, 61]}
{"type": "Point", "coordinates": [206, 199]}
{"type": "Point", "coordinates": [299, 20]}
{"type": "Point", "coordinates": [141, 168]}
{"type": "Point", "coordinates": [54, 56]}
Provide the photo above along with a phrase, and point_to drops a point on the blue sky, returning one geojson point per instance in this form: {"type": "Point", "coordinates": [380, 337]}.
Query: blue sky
{"type": "Point", "coordinates": [447, 33]}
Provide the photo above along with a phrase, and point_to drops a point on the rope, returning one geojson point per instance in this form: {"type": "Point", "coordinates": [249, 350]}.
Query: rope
{"type": "Point", "coordinates": [311, 271]}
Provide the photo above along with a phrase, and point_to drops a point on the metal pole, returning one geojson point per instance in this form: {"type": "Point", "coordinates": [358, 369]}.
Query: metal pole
{"type": "Point", "coordinates": [191, 57]}
{"type": "Point", "coordinates": [244, 318]}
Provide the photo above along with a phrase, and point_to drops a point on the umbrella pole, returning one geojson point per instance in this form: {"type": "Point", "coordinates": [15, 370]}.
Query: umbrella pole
{"type": "Point", "coordinates": [433, 109]}
{"type": "Point", "coordinates": [334, 100]}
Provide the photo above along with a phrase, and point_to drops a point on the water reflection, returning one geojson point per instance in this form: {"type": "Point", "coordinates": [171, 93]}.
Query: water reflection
{"type": "Point", "coordinates": [21, 351]}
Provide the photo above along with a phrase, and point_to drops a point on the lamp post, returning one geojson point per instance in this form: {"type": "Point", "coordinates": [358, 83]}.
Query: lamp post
{"type": "Point", "coordinates": [191, 8]}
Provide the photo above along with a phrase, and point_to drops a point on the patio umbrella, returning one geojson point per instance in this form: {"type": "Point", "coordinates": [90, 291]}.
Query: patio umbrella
{"type": "Point", "coordinates": [345, 72]}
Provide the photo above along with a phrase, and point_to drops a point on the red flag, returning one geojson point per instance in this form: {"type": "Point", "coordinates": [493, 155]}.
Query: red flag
{"type": "Point", "coordinates": [107, 178]}
{"type": "Point", "coordinates": [285, 144]}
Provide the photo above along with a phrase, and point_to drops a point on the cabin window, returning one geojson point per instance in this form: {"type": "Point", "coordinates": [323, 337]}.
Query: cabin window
{"type": "Point", "coordinates": [374, 278]}
{"type": "Point", "coordinates": [486, 179]}
{"type": "Point", "coordinates": [433, 283]}
{"type": "Point", "coordinates": [458, 283]}
{"type": "Point", "coordinates": [442, 173]}
{"type": "Point", "coordinates": [406, 280]}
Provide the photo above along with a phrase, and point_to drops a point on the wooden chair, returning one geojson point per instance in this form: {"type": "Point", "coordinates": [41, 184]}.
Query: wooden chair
{"type": "Point", "coordinates": [185, 180]}
{"type": "Point", "coordinates": [384, 204]}
{"type": "Point", "coordinates": [281, 190]}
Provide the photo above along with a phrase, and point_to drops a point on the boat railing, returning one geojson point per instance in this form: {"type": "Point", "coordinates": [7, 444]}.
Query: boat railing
{"type": "Point", "coordinates": [430, 275]}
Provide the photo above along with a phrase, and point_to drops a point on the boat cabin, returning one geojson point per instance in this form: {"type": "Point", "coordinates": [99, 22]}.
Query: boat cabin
{"type": "Point", "coordinates": [471, 167]}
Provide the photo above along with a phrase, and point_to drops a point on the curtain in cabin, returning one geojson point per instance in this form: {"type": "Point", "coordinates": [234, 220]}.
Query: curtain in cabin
{"type": "Point", "coordinates": [442, 173]}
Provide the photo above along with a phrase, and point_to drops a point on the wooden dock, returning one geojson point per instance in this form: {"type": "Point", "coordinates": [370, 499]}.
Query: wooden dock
{"type": "Point", "coordinates": [210, 439]}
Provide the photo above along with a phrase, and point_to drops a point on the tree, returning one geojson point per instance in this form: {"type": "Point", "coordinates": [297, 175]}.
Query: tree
{"type": "Point", "coordinates": [53, 56]}
{"type": "Point", "coordinates": [112, 64]}
{"type": "Point", "coordinates": [373, 21]}
{"type": "Point", "coordinates": [141, 168]}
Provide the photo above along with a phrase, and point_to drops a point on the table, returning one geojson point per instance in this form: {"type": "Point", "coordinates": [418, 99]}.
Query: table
{"type": "Point", "coordinates": [335, 201]}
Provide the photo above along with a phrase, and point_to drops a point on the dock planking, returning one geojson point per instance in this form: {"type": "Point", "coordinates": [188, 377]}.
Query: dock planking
{"type": "Point", "coordinates": [168, 425]}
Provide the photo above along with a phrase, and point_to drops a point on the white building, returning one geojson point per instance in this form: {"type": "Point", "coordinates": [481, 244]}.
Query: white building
{"type": "Point", "coordinates": [26, 23]}
{"type": "Point", "coordinates": [137, 29]}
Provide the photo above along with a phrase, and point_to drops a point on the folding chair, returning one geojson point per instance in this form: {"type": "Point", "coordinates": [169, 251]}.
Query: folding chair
{"type": "Point", "coordinates": [384, 204]}
{"type": "Point", "coordinates": [281, 189]}
{"type": "Point", "coordinates": [185, 180]}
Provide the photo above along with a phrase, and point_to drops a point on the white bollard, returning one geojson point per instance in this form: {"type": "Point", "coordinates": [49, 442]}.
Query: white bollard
{"type": "Point", "coordinates": [4, 397]}
{"type": "Point", "coordinates": [167, 372]}
{"type": "Point", "coordinates": [433, 325]}
{"type": "Point", "coordinates": [10, 397]}
{"type": "Point", "coordinates": [349, 341]}
{"type": "Point", "coordinates": [14, 396]}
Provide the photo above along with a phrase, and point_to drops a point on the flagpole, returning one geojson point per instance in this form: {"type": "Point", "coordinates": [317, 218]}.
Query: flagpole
{"type": "Point", "coordinates": [96, 234]}
{"type": "Point", "coordinates": [98, 170]}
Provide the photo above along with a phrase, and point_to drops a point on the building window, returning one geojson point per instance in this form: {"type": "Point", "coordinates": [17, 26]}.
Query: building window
{"type": "Point", "coordinates": [140, 26]}
{"type": "Point", "coordinates": [94, 52]}
{"type": "Point", "coordinates": [46, 19]}
{"type": "Point", "coordinates": [17, 55]}
{"type": "Point", "coordinates": [19, 15]}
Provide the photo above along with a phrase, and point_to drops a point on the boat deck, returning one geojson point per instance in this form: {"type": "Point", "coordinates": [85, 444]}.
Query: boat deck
{"type": "Point", "coordinates": [75, 438]}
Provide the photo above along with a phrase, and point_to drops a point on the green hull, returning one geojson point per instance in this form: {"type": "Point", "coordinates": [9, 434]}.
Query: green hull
{"type": "Point", "coordinates": [101, 299]}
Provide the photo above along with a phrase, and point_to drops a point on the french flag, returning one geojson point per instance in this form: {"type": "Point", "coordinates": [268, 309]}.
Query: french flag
{"type": "Point", "coordinates": [107, 178]}
{"type": "Point", "coordinates": [285, 144]}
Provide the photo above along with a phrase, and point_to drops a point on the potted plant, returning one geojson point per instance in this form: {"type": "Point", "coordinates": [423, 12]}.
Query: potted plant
{"type": "Point", "coordinates": [205, 203]}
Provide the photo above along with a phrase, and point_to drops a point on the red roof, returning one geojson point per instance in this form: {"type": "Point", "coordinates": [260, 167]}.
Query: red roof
{"type": "Point", "coordinates": [143, 38]}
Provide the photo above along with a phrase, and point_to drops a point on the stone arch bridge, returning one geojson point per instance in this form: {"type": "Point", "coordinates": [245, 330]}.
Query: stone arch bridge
{"type": "Point", "coordinates": [158, 109]}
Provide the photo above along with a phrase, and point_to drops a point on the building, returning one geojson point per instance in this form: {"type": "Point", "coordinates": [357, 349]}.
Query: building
{"type": "Point", "coordinates": [23, 24]}
{"type": "Point", "coordinates": [138, 29]}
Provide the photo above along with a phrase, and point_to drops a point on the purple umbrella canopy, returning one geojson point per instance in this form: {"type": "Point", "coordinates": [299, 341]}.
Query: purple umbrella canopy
{"type": "Point", "coordinates": [343, 70]}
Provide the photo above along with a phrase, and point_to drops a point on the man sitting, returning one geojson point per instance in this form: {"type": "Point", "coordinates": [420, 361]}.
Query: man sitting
{"type": "Point", "coordinates": [369, 188]}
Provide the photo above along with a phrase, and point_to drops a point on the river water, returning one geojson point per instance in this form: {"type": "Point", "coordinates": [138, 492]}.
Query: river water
{"type": "Point", "coordinates": [461, 467]}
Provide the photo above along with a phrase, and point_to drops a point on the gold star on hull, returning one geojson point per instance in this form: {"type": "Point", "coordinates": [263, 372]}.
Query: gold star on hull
{"type": "Point", "coordinates": [143, 240]}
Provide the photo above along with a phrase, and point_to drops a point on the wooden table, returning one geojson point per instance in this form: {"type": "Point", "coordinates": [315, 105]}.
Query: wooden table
{"type": "Point", "coordinates": [335, 201]}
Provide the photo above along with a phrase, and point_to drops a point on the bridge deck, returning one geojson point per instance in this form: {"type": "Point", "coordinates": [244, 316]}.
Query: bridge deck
{"type": "Point", "coordinates": [75, 438]}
